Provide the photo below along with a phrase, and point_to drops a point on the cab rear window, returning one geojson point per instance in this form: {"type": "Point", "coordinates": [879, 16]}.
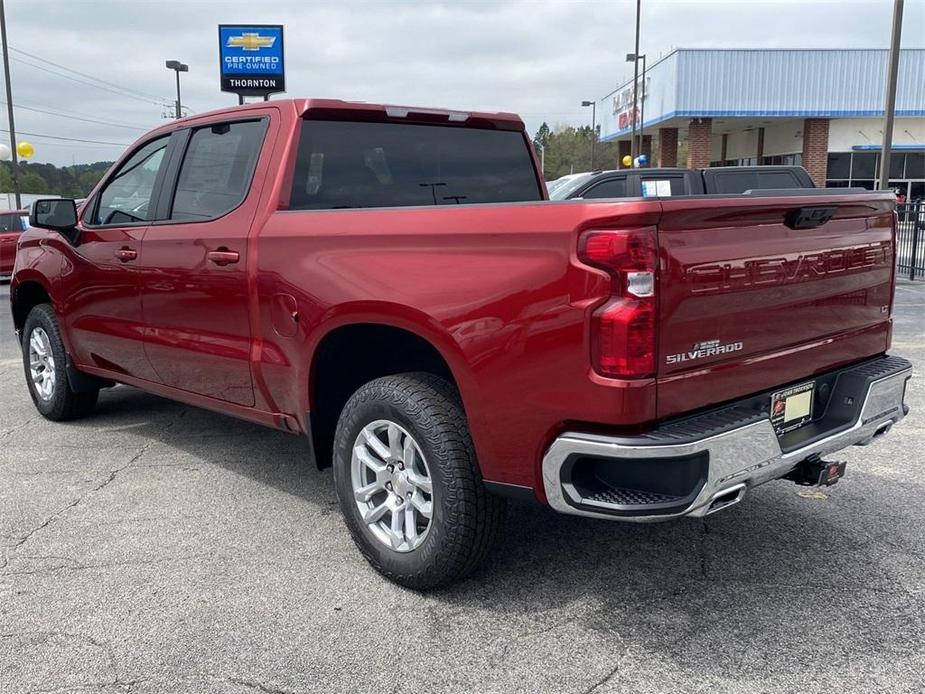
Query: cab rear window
{"type": "Point", "coordinates": [344, 164]}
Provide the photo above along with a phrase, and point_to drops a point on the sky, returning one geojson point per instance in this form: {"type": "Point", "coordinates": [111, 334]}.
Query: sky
{"type": "Point", "coordinates": [538, 59]}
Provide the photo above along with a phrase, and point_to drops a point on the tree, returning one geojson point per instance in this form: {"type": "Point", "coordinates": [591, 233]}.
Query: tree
{"type": "Point", "coordinates": [568, 150]}
{"type": "Point", "coordinates": [31, 182]}
{"type": "Point", "coordinates": [67, 181]}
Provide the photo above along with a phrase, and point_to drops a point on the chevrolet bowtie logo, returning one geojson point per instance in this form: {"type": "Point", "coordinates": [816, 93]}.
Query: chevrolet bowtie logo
{"type": "Point", "coordinates": [250, 41]}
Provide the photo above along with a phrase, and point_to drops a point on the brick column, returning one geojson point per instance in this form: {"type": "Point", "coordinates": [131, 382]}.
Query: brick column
{"type": "Point", "coordinates": [699, 133]}
{"type": "Point", "coordinates": [816, 149]}
{"type": "Point", "coordinates": [667, 147]}
{"type": "Point", "coordinates": [624, 148]}
{"type": "Point", "coordinates": [647, 148]}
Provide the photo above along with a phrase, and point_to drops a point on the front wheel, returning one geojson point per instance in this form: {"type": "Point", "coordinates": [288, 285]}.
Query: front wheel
{"type": "Point", "coordinates": [408, 482]}
{"type": "Point", "coordinates": [45, 363]}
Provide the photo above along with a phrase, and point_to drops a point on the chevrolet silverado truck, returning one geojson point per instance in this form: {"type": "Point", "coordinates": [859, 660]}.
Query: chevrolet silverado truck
{"type": "Point", "coordinates": [392, 283]}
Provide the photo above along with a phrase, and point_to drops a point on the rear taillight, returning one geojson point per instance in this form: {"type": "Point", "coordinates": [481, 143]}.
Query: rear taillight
{"type": "Point", "coordinates": [623, 329]}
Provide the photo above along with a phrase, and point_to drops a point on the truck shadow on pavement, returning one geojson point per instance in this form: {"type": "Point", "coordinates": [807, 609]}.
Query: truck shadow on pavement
{"type": "Point", "coordinates": [786, 570]}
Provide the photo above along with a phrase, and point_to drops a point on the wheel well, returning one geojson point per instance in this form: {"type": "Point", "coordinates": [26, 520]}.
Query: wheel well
{"type": "Point", "coordinates": [353, 355]}
{"type": "Point", "coordinates": [28, 296]}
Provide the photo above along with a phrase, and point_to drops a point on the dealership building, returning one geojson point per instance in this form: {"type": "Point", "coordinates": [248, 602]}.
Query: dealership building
{"type": "Point", "coordinates": [822, 109]}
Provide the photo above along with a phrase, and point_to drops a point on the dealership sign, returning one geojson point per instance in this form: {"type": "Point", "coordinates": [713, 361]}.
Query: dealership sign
{"type": "Point", "coordinates": [622, 105]}
{"type": "Point", "coordinates": [251, 59]}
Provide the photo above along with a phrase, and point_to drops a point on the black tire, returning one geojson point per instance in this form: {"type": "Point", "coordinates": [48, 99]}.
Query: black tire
{"type": "Point", "coordinates": [466, 518]}
{"type": "Point", "coordinates": [63, 403]}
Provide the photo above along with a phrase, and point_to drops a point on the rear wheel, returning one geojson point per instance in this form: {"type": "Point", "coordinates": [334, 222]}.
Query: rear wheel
{"type": "Point", "coordinates": [45, 363]}
{"type": "Point", "coordinates": [408, 482]}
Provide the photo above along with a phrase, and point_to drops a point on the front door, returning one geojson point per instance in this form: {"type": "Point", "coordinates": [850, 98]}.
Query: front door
{"type": "Point", "coordinates": [194, 282]}
{"type": "Point", "coordinates": [103, 313]}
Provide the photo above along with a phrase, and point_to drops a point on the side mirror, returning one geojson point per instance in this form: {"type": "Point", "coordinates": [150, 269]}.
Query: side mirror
{"type": "Point", "coordinates": [57, 214]}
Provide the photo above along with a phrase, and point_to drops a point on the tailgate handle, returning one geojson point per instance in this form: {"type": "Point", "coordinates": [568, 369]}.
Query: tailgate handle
{"type": "Point", "coordinates": [809, 217]}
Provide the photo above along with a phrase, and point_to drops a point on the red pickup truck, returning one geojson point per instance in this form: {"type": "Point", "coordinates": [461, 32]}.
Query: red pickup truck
{"type": "Point", "coordinates": [392, 283]}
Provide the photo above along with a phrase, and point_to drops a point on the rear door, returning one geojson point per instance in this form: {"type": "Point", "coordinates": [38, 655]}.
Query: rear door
{"type": "Point", "coordinates": [193, 265]}
{"type": "Point", "coordinates": [747, 303]}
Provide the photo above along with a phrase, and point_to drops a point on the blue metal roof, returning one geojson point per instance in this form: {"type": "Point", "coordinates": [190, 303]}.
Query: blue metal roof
{"type": "Point", "coordinates": [769, 83]}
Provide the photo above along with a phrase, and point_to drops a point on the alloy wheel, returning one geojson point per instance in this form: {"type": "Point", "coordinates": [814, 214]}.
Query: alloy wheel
{"type": "Point", "coordinates": [391, 485]}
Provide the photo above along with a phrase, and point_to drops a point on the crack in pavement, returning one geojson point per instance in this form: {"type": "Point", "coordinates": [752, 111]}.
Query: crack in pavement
{"type": "Point", "coordinates": [76, 502]}
{"type": "Point", "coordinates": [77, 566]}
{"type": "Point", "coordinates": [17, 427]}
{"type": "Point", "coordinates": [109, 479]}
{"type": "Point", "coordinates": [259, 686]}
{"type": "Point", "coordinates": [44, 636]}
{"type": "Point", "coordinates": [67, 507]}
{"type": "Point", "coordinates": [604, 680]}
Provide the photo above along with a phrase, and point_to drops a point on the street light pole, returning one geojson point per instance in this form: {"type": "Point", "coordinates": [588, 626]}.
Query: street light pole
{"type": "Point", "coordinates": [593, 105]}
{"type": "Point", "coordinates": [177, 67]}
{"type": "Point", "coordinates": [889, 108]}
{"type": "Point", "coordinates": [9, 106]}
{"type": "Point", "coordinates": [635, 58]}
{"type": "Point", "coordinates": [642, 108]}
{"type": "Point", "coordinates": [633, 148]}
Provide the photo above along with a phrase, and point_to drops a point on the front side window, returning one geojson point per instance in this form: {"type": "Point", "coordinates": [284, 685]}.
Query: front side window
{"type": "Point", "coordinates": [343, 164]}
{"type": "Point", "coordinates": [217, 170]}
{"type": "Point", "coordinates": [126, 198]}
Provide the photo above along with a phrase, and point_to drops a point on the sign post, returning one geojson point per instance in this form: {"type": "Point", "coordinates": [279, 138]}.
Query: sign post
{"type": "Point", "coordinates": [251, 59]}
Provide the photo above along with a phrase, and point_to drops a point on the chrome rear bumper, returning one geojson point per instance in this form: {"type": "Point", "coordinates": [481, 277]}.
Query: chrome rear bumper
{"type": "Point", "coordinates": [738, 458]}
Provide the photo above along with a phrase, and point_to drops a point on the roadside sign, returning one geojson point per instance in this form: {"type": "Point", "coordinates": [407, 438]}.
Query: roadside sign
{"type": "Point", "coordinates": [251, 59]}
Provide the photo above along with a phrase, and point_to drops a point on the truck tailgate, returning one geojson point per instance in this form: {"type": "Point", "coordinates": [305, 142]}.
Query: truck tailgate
{"type": "Point", "coordinates": [747, 303]}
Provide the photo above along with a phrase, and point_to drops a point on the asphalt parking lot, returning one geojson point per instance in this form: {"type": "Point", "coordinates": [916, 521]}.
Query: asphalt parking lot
{"type": "Point", "coordinates": [155, 547]}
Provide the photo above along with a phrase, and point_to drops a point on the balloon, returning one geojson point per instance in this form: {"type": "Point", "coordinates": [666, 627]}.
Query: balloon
{"type": "Point", "coordinates": [25, 149]}
{"type": "Point", "coordinates": [627, 160]}
{"type": "Point", "coordinates": [5, 153]}
{"type": "Point", "coordinates": [643, 160]}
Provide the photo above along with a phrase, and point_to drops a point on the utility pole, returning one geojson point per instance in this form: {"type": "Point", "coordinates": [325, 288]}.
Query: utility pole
{"type": "Point", "coordinates": [9, 106]}
{"type": "Point", "coordinates": [890, 107]}
{"type": "Point", "coordinates": [634, 150]}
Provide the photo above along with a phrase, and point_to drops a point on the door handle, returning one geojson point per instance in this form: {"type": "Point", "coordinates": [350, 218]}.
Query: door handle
{"type": "Point", "coordinates": [126, 254]}
{"type": "Point", "coordinates": [223, 256]}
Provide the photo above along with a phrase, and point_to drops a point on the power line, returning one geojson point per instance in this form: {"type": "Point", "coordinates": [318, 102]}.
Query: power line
{"type": "Point", "coordinates": [119, 92]}
{"type": "Point", "coordinates": [64, 114]}
{"type": "Point", "coordinates": [67, 139]}
{"type": "Point", "coordinates": [91, 77]}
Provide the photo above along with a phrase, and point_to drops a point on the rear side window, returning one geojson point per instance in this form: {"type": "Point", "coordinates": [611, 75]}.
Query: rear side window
{"type": "Point", "coordinates": [778, 179]}
{"type": "Point", "coordinates": [662, 186]}
{"type": "Point", "coordinates": [13, 222]}
{"type": "Point", "coordinates": [217, 170]}
{"type": "Point", "coordinates": [734, 183]}
{"type": "Point", "coordinates": [343, 164]}
{"type": "Point", "coordinates": [614, 188]}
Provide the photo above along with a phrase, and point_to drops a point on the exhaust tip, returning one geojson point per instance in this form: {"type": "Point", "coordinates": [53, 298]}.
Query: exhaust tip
{"type": "Point", "coordinates": [726, 498]}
